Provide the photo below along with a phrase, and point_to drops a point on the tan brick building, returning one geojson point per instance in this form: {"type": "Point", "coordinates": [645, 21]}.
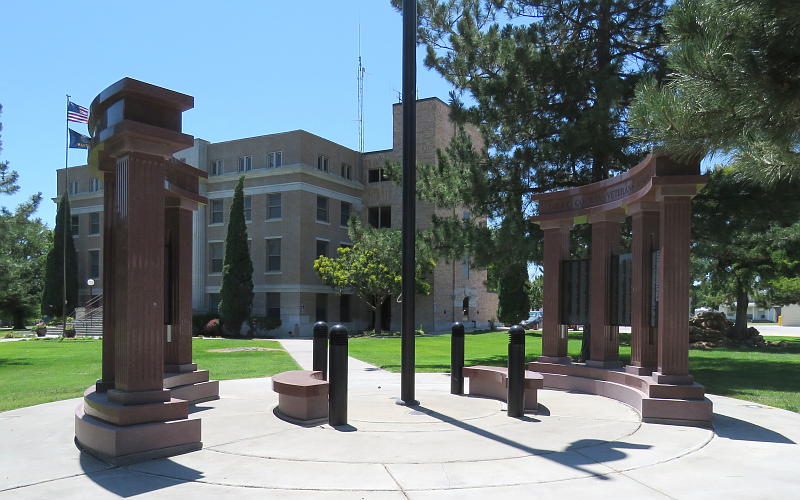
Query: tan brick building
{"type": "Point", "coordinates": [299, 192]}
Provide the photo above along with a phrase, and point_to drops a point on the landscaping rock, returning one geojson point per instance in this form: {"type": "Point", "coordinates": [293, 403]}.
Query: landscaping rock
{"type": "Point", "coordinates": [712, 329]}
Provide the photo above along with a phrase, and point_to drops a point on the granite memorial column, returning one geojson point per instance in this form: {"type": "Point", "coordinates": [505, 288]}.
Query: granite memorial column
{"type": "Point", "coordinates": [645, 239]}
{"type": "Point", "coordinates": [109, 190]}
{"type": "Point", "coordinates": [605, 243]}
{"type": "Point", "coordinates": [178, 338]}
{"type": "Point", "coordinates": [556, 249]}
{"type": "Point", "coordinates": [673, 277]}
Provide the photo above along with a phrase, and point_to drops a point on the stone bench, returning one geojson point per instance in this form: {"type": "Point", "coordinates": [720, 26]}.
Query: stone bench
{"type": "Point", "coordinates": [302, 394]}
{"type": "Point", "coordinates": [492, 381]}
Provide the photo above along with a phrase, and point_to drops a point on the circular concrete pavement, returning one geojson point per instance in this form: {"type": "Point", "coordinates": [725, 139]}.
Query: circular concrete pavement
{"type": "Point", "coordinates": [448, 447]}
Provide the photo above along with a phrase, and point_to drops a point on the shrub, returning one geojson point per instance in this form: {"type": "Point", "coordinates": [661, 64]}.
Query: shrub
{"type": "Point", "coordinates": [265, 322]}
{"type": "Point", "coordinates": [212, 328]}
{"type": "Point", "coordinates": [199, 322]}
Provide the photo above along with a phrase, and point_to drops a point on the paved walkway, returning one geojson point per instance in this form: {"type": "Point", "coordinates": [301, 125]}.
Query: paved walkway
{"type": "Point", "coordinates": [450, 447]}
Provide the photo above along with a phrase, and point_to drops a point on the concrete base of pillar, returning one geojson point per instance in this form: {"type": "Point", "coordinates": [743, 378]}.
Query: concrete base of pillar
{"type": "Point", "coordinates": [611, 364]}
{"type": "Point", "coordinates": [103, 385]}
{"type": "Point", "coordinates": [638, 370]}
{"type": "Point", "coordinates": [562, 360]}
{"type": "Point", "coordinates": [660, 378]}
{"type": "Point", "coordinates": [186, 367]}
{"type": "Point", "coordinates": [126, 444]}
{"type": "Point", "coordinates": [191, 386]}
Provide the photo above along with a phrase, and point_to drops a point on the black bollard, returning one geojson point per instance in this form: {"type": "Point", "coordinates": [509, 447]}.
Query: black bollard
{"type": "Point", "coordinates": [457, 359]}
{"type": "Point", "coordinates": [320, 362]}
{"type": "Point", "coordinates": [516, 371]}
{"type": "Point", "coordinates": [337, 396]}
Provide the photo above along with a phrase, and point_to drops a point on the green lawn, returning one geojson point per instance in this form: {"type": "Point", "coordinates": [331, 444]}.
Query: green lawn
{"type": "Point", "coordinates": [768, 376]}
{"type": "Point", "coordinates": [38, 371]}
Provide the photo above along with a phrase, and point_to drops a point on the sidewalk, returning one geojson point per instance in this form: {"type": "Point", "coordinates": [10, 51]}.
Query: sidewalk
{"type": "Point", "coordinates": [449, 447]}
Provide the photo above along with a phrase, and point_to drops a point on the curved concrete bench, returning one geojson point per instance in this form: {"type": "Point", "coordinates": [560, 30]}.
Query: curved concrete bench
{"type": "Point", "coordinates": [492, 381]}
{"type": "Point", "coordinates": [655, 402]}
{"type": "Point", "coordinates": [302, 394]}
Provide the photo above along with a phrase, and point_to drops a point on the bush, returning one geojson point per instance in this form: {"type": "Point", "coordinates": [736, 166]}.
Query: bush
{"type": "Point", "coordinates": [264, 323]}
{"type": "Point", "coordinates": [199, 322]}
{"type": "Point", "coordinates": [212, 328]}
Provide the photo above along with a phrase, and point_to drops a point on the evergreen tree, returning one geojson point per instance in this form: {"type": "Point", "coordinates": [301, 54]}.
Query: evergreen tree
{"type": "Point", "coordinates": [547, 83]}
{"type": "Point", "coordinates": [746, 243]}
{"type": "Point", "coordinates": [236, 295]}
{"type": "Point", "coordinates": [57, 263]}
{"type": "Point", "coordinates": [23, 245]}
{"type": "Point", "coordinates": [513, 295]}
{"type": "Point", "coordinates": [733, 87]}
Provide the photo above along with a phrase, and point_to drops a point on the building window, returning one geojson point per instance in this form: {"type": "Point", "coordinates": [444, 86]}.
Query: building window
{"type": "Point", "coordinates": [75, 225]}
{"type": "Point", "coordinates": [73, 187]}
{"type": "Point", "coordinates": [344, 214]}
{"type": "Point", "coordinates": [274, 206]}
{"type": "Point", "coordinates": [217, 167]}
{"type": "Point", "coordinates": [273, 305]}
{"type": "Point", "coordinates": [94, 223]}
{"type": "Point", "coordinates": [94, 184]}
{"type": "Point", "coordinates": [377, 175]}
{"type": "Point", "coordinates": [322, 249]}
{"type": "Point", "coordinates": [213, 302]}
{"type": "Point", "coordinates": [380, 216]}
{"type": "Point", "coordinates": [322, 209]}
{"type": "Point", "coordinates": [274, 159]}
{"type": "Point", "coordinates": [273, 254]}
{"type": "Point", "coordinates": [245, 163]}
{"type": "Point", "coordinates": [216, 211]}
{"type": "Point", "coordinates": [215, 256]}
{"type": "Point", "coordinates": [347, 170]}
{"type": "Point", "coordinates": [321, 307]}
{"type": "Point", "coordinates": [322, 163]}
{"type": "Point", "coordinates": [344, 309]}
{"type": "Point", "coordinates": [248, 208]}
{"type": "Point", "coordinates": [466, 267]}
{"type": "Point", "coordinates": [94, 263]}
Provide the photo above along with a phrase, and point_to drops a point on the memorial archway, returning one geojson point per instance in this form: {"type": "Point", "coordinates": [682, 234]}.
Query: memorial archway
{"type": "Point", "coordinates": [657, 195]}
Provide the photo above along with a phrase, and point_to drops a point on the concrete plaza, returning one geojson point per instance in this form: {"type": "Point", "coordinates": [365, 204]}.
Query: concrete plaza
{"type": "Point", "coordinates": [578, 445]}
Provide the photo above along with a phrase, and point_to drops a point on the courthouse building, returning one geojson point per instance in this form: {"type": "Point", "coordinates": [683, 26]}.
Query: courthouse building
{"type": "Point", "coordinates": [300, 189]}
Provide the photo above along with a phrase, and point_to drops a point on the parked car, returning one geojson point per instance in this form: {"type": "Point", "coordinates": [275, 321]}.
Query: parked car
{"type": "Point", "coordinates": [534, 321]}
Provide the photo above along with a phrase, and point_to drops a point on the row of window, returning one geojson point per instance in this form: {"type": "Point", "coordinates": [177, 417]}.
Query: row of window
{"type": "Point", "coordinates": [94, 224]}
{"type": "Point", "coordinates": [272, 257]}
{"type": "Point", "coordinates": [274, 159]}
{"type": "Point", "coordinates": [274, 209]}
{"type": "Point", "coordinates": [321, 300]}
{"type": "Point", "coordinates": [73, 187]}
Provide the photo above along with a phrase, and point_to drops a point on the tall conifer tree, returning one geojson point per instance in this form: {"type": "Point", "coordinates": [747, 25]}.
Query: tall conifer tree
{"type": "Point", "coordinates": [237, 270]}
{"type": "Point", "coordinates": [548, 84]}
{"type": "Point", "coordinates": [58, 263]}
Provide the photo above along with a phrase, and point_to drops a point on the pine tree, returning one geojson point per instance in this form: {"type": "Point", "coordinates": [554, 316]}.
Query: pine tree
{"type": "Point", "coordinates": [236, 295]}
{"type": "Point", "coordinates": [57, 263]}
{"type": "Point", "coordinates": [746, 242]}
{"type": "Point", "coordinates": [24, 242]}
{"type": "Point", "coordinates": [733, 88]}
{"type": "Point", "coordinates": [548, 84]}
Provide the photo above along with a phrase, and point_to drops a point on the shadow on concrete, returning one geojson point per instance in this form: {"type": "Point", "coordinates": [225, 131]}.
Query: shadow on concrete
{"type": "Point", "coordinates": [118, 480]}
{"type": "Point", "coordinates": [570, 456]}
{"type": "Point", "coordinates": [344, 428]}
{"type": "Point", "coordinates": [198, 409]}
{"type": "Point", "coordinates": [740, 430]}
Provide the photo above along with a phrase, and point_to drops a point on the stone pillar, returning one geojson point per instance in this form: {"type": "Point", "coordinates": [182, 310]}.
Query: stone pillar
{"type": "Point", "coordinates": [673, 277]}
{"type": "Point", "coordinates": [178, 338]}
{"type": "Point", "coordinates": [556, 249]}
{"type": "Point", "coordinates": [139, 275]}
{"type": "Point", "coordinates": [109, 186]}
{"type": "Point", "coordinates": [605, 243]}
{"type": "Point", "coordinates": [644, 339]}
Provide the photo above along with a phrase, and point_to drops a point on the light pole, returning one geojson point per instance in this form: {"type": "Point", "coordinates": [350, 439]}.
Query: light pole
{"type": "Point", "coordinates": [90, 282]}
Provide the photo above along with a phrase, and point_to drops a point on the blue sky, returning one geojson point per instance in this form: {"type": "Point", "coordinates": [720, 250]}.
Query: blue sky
{"type": "Point", "coordinates": [253, 67]}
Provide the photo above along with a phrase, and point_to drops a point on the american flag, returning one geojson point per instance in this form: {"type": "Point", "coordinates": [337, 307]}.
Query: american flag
{"type": "Point", "coordinates": [76, 113]}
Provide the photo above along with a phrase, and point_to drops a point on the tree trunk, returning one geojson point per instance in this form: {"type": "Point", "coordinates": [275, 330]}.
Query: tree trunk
{"type": "Point", "coordinates": [742, 299]}
{"type": "Point", "coordinates": [19, 319]}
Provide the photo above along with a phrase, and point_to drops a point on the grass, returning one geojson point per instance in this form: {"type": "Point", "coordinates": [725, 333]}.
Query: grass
{"type": "Point", "coordinates": [767, 376]}
{"type": "Point", "coordinates": [39, 371]}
